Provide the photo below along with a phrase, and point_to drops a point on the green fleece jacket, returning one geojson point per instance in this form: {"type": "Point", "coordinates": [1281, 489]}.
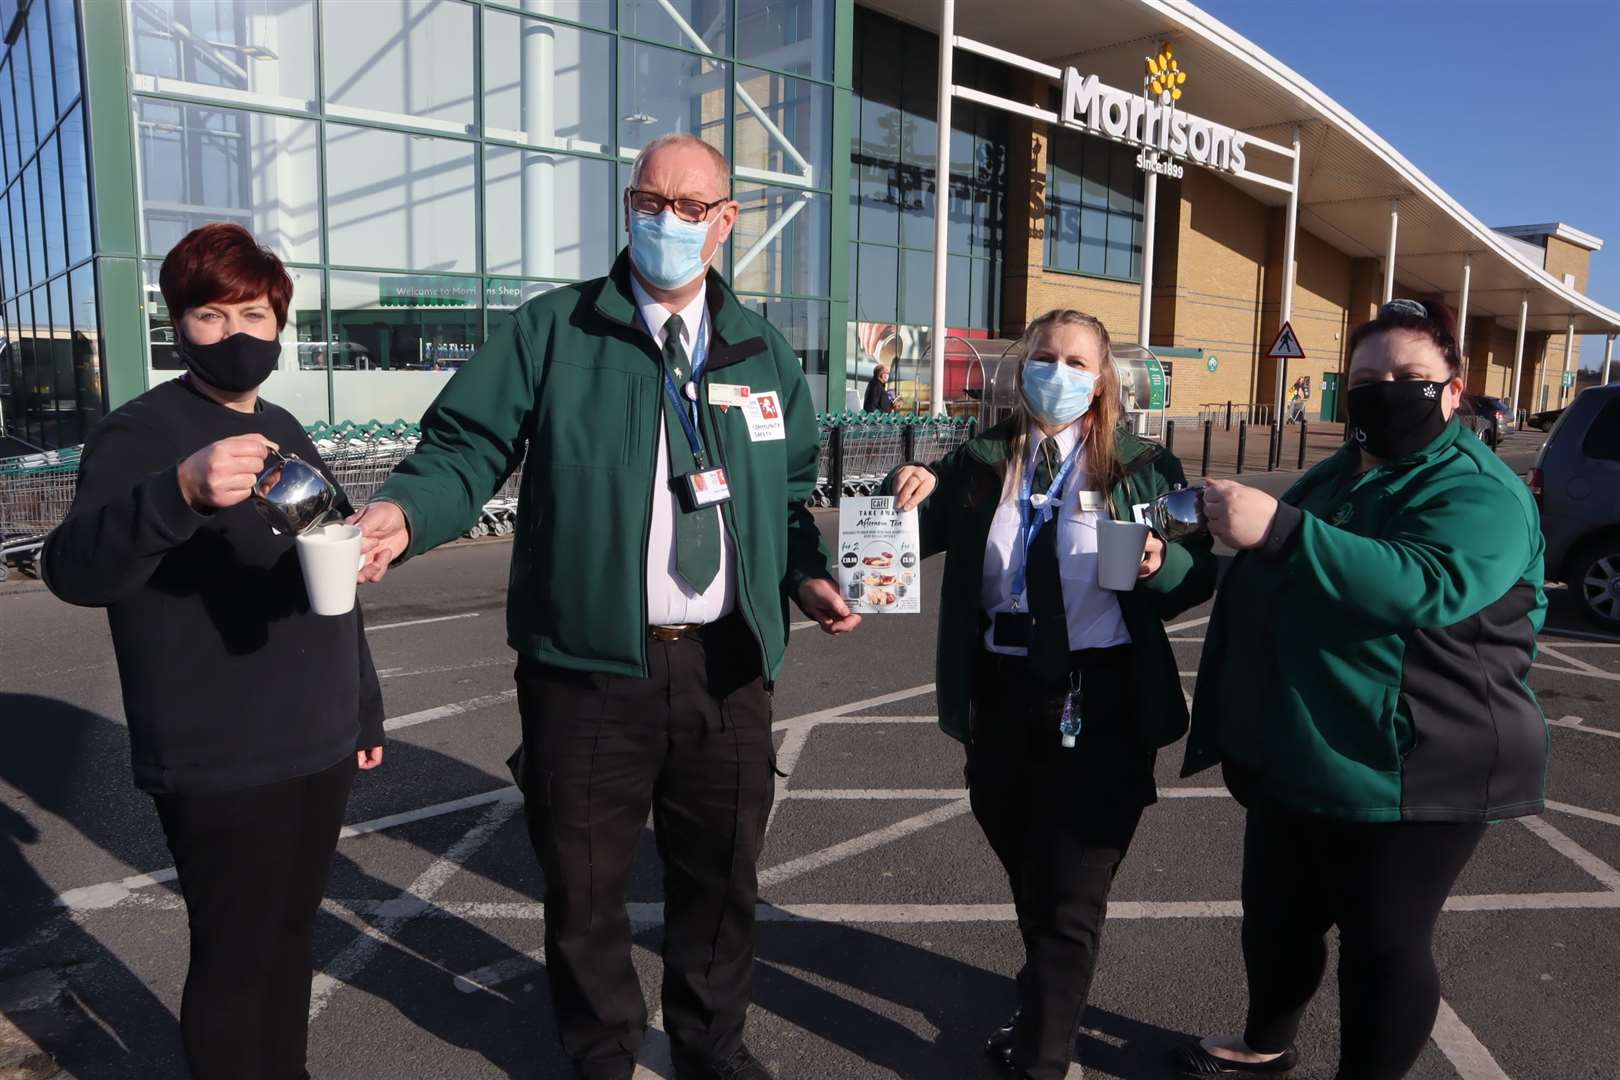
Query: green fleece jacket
{"type": "Point", "coordinates": [1370, 662]}
{"type": "Point", "coordinates": [956, 519]}
{"type": "Point", "coordinates": [571, 389]}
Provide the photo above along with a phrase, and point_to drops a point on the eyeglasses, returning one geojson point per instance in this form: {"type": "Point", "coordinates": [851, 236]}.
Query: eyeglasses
{"type": "Point", "coordinates": [652, 204]}
{"type": "Point", "coordinates": [1395, 308]}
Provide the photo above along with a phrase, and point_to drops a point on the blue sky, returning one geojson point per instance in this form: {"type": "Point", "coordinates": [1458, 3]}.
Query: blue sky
{"type": "Point", "coordinates": [1512, 106]}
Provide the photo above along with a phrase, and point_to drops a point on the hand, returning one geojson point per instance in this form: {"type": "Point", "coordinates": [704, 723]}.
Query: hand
{"type": "Point", "coordinates": [820, 599]}
{"type": "Point", "coordinates": [1152, 557]}
{"type": "Point", "coordinates": [222, 474]}
{"type": "Point", "coordinates": [384, 536]}
{"type": "Point", "coordinates": [1239, 517]}
{"type": "Point", "coordinates": [369, 759]}
{"type": "Point", "coordinates": [913, 484]}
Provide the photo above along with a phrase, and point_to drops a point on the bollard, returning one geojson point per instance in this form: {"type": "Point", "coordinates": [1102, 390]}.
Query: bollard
{"type": "Point", "coordinates": [836, 480]}
{"type": "Point", "coordinates": [1170, 436]}
{"type": "Point", "coordinates": [1243, 441]}
{"type": "Point", "coordinates": [1228, 416]}
{"type": "Point", "coordinates": [1271, 447]}
{"type": "Point", "coordinates": [1302, 428]}
{"type": "Point", "coordinates": [1496, 431]}
{"type": "Point", "coordinates": [908, 443]}
{"type": "Point", "coordinates": [1209, 434]}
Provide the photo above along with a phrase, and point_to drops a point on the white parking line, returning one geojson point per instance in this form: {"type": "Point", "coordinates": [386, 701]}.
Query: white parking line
{"type": "Point", "coordinates": [1581, 811]}
{"type": "Point", "coordinates": [1186, 625]}
{"type": "Point", "coordinates": [1576, 723]}
{"type": "Point", "coordinates": [1592, 674]}
{"type": "Point", "coordinates": [422, 622]}
{"type": "Point", "coordinates": [1465, 1052]}
{"type": "Point", "coordinates": [1607, 875]}
{"type": "Point", "coordinates": [1548, 650]}
{"type": "Point", "coordinates": [440, 669]}
{"type": "Point", "coordinates": [455, 708]}
{"type": "Point", "coordinates": [826, 856]}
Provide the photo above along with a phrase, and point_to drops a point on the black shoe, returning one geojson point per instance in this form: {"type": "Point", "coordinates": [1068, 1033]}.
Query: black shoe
{"type": "Point", "coordinates": [1196, 1061]}
{"type": "Point", "coordinates": [741, 1065]}
{"type": "Point", "coordinates": [1002, 1037]}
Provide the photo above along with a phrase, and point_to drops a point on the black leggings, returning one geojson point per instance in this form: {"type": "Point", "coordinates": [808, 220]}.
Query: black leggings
{"type": "Point", "coordinates": [1383, 886]}
{"type": "Point", "coordinates": [252, 866]}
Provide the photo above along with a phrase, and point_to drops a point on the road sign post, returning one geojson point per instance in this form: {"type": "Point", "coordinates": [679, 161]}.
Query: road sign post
{"type": "Point", "coordinates": [1284, 349]}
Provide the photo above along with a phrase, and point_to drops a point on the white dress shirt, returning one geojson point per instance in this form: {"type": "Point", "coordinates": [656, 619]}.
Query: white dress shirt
{"type": "Point", "coordinates": [1093, 613]}
{"type": "Point", "coordinates": [670, 600]}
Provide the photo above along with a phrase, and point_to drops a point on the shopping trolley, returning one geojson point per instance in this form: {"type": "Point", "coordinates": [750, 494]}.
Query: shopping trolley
{"type": "Point", "coordinates": [35, 493]}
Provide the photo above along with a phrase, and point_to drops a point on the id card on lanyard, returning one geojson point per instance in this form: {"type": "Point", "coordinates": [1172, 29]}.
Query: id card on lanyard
{"type": "Point", "coordinates": [704, 486]}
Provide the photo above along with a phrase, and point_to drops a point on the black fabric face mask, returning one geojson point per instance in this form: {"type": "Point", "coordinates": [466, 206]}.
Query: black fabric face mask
{"type": "Point", "coordinates": [235, 364]}
{"type": "Point", "coordinates": [1393, 420]}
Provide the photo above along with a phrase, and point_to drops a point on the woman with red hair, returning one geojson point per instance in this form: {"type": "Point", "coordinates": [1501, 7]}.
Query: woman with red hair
{"type": "Point", "coordinates": [248, 714]}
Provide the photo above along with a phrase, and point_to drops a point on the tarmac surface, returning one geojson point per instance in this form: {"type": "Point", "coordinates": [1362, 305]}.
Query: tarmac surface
{"type": "Point", "coordinates": [886, 946]}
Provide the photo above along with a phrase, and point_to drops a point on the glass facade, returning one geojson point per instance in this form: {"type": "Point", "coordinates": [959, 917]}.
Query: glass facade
{"type": "Point", "coordinates": [424, 166]}
{"type": "Point", "coordinates": [892, 194]}
{"type": "Point", "coordinates": [51, 389]}
{"type": "Point", "coordinates": [1094, 206]}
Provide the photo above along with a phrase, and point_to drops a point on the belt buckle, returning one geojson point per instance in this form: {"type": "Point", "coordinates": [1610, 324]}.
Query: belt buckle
{"type": "Point", "coordinates": [668, 634]}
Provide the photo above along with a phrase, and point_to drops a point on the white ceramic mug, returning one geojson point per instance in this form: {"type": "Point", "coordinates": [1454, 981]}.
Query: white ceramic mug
{"type": "Point", "coordinates": [1119, 553]}
{"type": "Point", "coordinates": [330, 558]}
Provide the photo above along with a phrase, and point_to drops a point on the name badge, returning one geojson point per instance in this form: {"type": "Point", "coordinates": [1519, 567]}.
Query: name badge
{"type": "Point", "coordinates": [727, 394]}
{"type": "Point", "coordinates": [763, 412]}
{"type": "Point", "coordinates": [1092, 502]}
{"type": "Point", "coordinates": [702, 489]}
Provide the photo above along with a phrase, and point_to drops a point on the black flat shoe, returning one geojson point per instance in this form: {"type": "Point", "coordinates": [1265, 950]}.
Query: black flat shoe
{"type": "Point", "coordinates": [1196, 1061]}
{"type": "Point", "coordinates": [1003, 1035]}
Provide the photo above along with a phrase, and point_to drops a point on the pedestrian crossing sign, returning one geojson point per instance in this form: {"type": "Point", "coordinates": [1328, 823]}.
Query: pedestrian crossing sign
{"type": "Point", "coordinates": [1286, 347]}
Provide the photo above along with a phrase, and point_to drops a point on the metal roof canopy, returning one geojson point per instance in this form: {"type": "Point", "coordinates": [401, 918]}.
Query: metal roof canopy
{"type": "Point", "coordinates": [1349, 176]}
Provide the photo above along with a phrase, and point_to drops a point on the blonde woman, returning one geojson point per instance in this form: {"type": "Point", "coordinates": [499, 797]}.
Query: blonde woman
{"type": "Point", "coordinates": [1028, 639]}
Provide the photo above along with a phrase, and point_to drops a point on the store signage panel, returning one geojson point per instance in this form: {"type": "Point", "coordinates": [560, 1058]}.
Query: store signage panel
{"type": "Point", "coordinates": [1092, 106]}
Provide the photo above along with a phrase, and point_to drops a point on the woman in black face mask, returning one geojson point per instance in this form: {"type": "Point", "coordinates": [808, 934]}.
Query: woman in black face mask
{"type": "Point", "coordinates": [1364, 688]}
{"type": "Point", "coordinates": [248, 714]}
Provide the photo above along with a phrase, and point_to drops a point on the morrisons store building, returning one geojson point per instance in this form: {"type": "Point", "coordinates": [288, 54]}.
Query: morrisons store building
{"type": "Point", "coordinates": [424, 166]}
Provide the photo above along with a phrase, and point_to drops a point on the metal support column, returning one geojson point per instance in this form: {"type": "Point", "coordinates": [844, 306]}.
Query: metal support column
{"type": "Point", "coordinates": [1389, 260]}
{"type": "Point", "coordinates": [1608, 358]}
{"type": "Point", "coordinates": [1290, 236]}
{"type": "Point", "coordinates": [942, 200]}
{"type": "Point", "coordinates": [1462, 309]}
{"type": "Point", "coordinates": [1518, 357]}
{"type": "Point", "coordinates": [1149, 214]}
{"type": "Point", "coordinates": [1569, 355]}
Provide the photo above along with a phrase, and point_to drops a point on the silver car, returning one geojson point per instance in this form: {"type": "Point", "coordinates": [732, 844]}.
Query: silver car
{"type": "Point", "coordinates": [1576, 482]}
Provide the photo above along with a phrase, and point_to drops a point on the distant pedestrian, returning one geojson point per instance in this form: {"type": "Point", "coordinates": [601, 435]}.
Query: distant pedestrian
{"type": "Point", "coordinates": [1364, 688]}
{"type": "Point", "coordinates": [878, 396]}
{"type": "Point", "coordinates": [1027, 637]}
{"type": "Point", "coordinates": [247, 713]}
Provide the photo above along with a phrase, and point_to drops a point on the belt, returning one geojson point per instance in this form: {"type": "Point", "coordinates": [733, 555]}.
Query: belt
{"type": "Point", "coordinates": [676, 632]}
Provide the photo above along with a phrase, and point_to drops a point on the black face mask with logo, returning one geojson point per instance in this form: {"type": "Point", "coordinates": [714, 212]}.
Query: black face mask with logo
{"type": "Point", "coordinates": [1393, 420]}
{"type": "Point", "coordinates": [235, 364]}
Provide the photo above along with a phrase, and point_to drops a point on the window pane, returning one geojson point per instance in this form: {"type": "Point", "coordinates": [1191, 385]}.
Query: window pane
{"type": "Point", "coordinates": [661, 91]}
{"type": "Point", "coordinates": [792, 137]}
{"type": "Point", "coordinates": [35, 220]}
{"type": "Point", "coordinates": [796, 258]}
{"type": "Point", "coordinates": [699, 23]}
{"type": "Point", "coordinates": [917, 287]}
{"type": "Point", "coordinates": [50, 180]}
{"type": "Point", "coordinates": [400, 200]}
{"type": "Point", "coordinates": [788, 35]}
{"type": "Point", "coordinates": [589, 12]}
{"type": "Point", "coordinates": [11, 376]}
{"type": "Point", "coordinates": [39, 54]}
{"type": "Point", "coordinates": [958, 293]}
{"type": "Point", "coordinates": [8, 271]}
{"type": "Point", "coordinates": [1093, 241]}
{"type": "Point", "coordinates": [1094, 163]}
{"type": "Point", "coordinates": [64, 399]}
{"type": "Point", "coordinates": [22, 276]}
{"type": "Point", "coordinates": [299, 382]}
{"type": "Point", "coordinates": [403, 337]}
{"type": "Point", "coordinates": [410, 61]}
{"type": "Point", "coordinates": [503, 296]}
{"type": "Point", "coordinates": [1120, 237]}
{"type": "Point", "coordinates": [86, 348]}
{"type": "Point", "coordinates": [76, 186]}
{"type": "Point", "coordinates": [983, 312]}
{"type": "Point", "coordinates": [878, 301]}
{"type": "Point", "coordinates": [200, 163]}
{"type": "Point", "coordinates": [65, 45]}
{"type": "Point", "coordinates": [22, 83]}
{"type": "Point", "coordinates": [876, 154]}
{"type": "Point", "coordinates": [27, 393]}
{"type": "Point", "coordinates": [918, 149]}
{"type": "Point", "coordinates": [547, 215]}
{"type": "Point", "coordinates": [805, 325]}
{"type": "Point", "coordinates": [547, 85]}
{"type": "Point", "coordinates": [8, 125]}
{"type": "Point", "coordinates": [254, 51]}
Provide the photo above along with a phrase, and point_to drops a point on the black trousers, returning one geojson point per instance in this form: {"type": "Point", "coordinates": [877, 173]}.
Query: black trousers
{"type": "Point", "coordinates": [692, 744]}
{"type": "Point", "coordinates": [1383, 886]}
{"type": "Point", "coordinates": [252, 866]}
{"type": "Point", "coordinates": [1060, 820]}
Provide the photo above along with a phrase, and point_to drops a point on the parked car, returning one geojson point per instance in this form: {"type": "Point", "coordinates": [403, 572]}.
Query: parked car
{"type": "Point", "coordinates": [1576, 482]}
{"type": "Point", "coordinates": [1478, 411]}
{"type": "Point", "coordinates": [1544, 421]}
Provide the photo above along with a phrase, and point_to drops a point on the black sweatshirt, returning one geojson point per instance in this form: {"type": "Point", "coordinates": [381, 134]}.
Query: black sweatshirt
{"type": "Point", "coordinates": [229, 680]}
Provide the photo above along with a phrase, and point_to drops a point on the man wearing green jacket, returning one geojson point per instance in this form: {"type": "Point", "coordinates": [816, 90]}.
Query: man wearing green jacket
{"type": "Point", "coordinates": [668, 445]}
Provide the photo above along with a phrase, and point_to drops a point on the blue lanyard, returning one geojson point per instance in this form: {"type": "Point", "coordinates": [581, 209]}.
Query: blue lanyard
{"type": "Point", "coordinates": [1028, 530]}
{"type": "Point", "coordinates": [686, 410]}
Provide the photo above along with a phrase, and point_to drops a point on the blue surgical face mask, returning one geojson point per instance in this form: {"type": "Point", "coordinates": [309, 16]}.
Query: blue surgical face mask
{"type": "Point", "coordinates": [1056, 393]}
{"type": "Point", "coordinates": [667, 250]}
